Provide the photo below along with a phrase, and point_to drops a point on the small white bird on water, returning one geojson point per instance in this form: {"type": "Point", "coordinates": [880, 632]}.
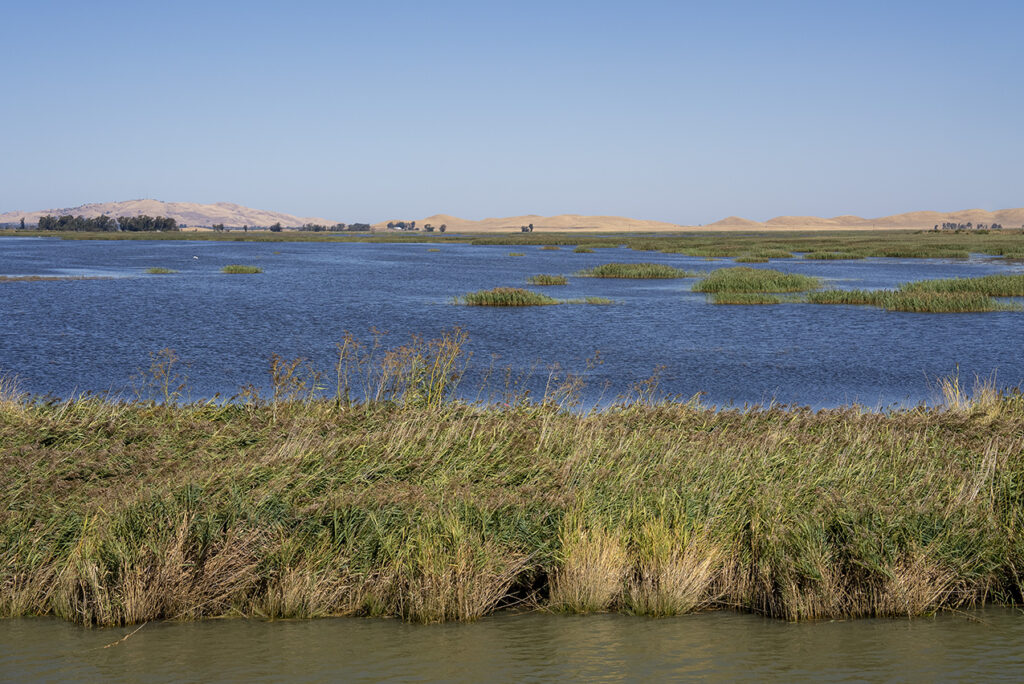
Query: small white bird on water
{"type": "Point", "coordinates": [195, 257]}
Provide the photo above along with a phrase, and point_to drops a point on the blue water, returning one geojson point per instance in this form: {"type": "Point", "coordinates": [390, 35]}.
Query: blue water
{"type": "Point", "coordinates": [69, 337]}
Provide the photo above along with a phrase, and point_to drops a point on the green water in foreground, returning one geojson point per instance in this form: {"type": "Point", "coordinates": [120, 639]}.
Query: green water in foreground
{"type": "Point", "coordinates": [721, 646]}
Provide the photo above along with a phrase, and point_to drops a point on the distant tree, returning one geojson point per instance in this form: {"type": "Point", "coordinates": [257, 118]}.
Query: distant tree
{"type": "Point", "coordinates": [444, 227]}
{"type": "Point", "coordinates": [245, 228]}
{"type": "Point", "coordinates": [218, 227]}
{"type": "Point", "coordinates": [22, 223]}
{"type": "Point", "coordinates": [276, 228]}
{"type": "Point", "coordinates": [428, 227]}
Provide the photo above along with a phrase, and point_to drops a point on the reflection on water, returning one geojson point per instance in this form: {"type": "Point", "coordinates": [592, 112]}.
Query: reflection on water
{"type": "Point", "coordinates": [716, 646]}
{"type": "Point", "coordinates": [92, 335]}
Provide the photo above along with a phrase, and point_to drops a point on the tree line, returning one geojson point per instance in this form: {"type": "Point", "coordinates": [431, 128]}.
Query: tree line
{"type": "Point", "coordinates": [336, 228]}
{"type": "Point", "coordinates": [100, 224]}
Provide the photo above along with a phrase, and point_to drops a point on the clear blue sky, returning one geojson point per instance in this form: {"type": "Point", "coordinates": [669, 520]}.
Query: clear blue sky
{"type": "Point", "coordinates": [678, 111]}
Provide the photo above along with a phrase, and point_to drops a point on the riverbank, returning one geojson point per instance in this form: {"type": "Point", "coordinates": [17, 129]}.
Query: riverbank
{"type": "Point", "coordinates": [418, 506]}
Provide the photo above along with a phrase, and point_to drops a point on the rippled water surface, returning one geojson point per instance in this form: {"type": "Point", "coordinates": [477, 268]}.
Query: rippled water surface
{"type": "Point", "coordinates": [92, 335]}
{"type": "Point", "coordinates": [602, 648]}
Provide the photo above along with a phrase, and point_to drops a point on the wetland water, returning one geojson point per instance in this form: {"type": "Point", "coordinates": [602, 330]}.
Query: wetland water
{"type": "Point", "coordinates": [719, 646]}
{"type": "Point", "coordinates": [92, 335]}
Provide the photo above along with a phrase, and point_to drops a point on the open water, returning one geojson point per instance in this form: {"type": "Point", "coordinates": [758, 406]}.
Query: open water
{"type": "Point", "coordinates": [717, 647]}
{"type": "Point", "coordinates": [68, 337]}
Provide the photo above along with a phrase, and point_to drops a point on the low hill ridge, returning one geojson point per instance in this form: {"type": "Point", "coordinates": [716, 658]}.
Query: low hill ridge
{"type": "Point", "coordinates": [185, 213]}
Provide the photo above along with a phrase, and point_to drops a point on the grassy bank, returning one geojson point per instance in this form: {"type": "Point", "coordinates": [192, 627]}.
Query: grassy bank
{"type": "Point", "coordinates": [416, 505]}
{"type": "Point", "coordinates": [241, 268]}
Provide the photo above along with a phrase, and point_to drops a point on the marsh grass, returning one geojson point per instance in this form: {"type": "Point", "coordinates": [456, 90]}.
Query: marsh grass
{"type": "Point", "coordinates": [400, 500]}
{"type": "Point", "coordinates": [516, 254]}
{"type": "Point", "coordinates": [751, 259]}
{"type": "Point", "coordinates": [506, 296]}
{"type": "Point", "coordinates": [914, 301]}
{"type": "Point", "coordinates": [550, 247]}
{"type": "Point", "coordinates": [999, 285]}
{"type": "Point", "coordinates": [582, 249]}
{"type": "Point", "coordinates": [37, 278]}
{"type": "Point", "coordinates": [545, 279]}
{"type": "Point", "coordinates": [745, 279]}
{"type": "Point", "coordinates": [241, 268]}
{"type": "Point", "coordinates": [433, 249]}
{"type": "Point", "coordinates": [159, 270]}
{"type": "Point", "coordinates": [639, 270]}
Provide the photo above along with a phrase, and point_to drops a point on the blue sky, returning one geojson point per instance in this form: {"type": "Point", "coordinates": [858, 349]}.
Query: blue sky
{"type": "Point", "coordinates": [677, 111]}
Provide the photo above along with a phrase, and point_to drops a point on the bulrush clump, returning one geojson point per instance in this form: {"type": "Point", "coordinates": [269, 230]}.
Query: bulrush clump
{"type": "Point", "coordinates": [746, 279]}
{"type": "Point", "coordinates": [506, 296]}
{"type": "Point", "coordinates": [641, 270]}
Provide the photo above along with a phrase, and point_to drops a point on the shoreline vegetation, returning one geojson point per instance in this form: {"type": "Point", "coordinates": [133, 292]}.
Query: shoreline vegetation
{"type": "Point", "coordinates": [903, 244]}
{"type": "Point", "coordinates": [386, 495]}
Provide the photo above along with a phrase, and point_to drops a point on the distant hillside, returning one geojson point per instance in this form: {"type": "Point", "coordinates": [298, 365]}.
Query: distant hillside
{"type": "Point", "coordinates": [185, 213]}
{"type": "Point", "coordinates": [235, 216]}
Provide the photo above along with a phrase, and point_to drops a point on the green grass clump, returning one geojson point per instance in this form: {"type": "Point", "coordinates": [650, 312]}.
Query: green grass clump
{"type": "Point", "coordinates": [1000, 285]}
{"type": "Point", "coordinates": [941, 302]}
{"type": "Point", "coordinates": [157, 270]}
{"type": "Point", "coordinates": [751, 259]}
{"type": "Point", "coordinates": [642, 270]}
{"type": "Point", "coordinates": [744, 298]}
{"type": "Point", "coordinates": [516, 254]}
{"type": "Point", "coordinates": [914, 302]}
{"type": "Point", "coordinates": [241, 268]}
{"type": "Point", "coordinates": [852, 297]}
{"type": "Point", "coordinates": [433, 249]}
{"type": "Point", "coordinates": [506, 296]}
{"type": "Point", "coordinates": [583, 250]}
{"type": "Point", "coordinates": [544, 279]}
{"type": "Point", "coordinates": [745, 279]}
{"type": "Point", "coordinates": [601, 301]}
{"type": "Point", "coordinates": [551, 247]}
